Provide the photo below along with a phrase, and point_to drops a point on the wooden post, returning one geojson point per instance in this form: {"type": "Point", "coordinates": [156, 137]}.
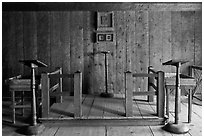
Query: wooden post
{"type": "Point", "coordinates": [178, 93]}
{"type": "Point", "coordinates": [33, 66]}
{"type": "Point", "coordinates": [167, 102]}
{"type": "Point", "coordinates": [77, 94]}
{"type": "Point", "coordinates": [45, 95]}
{"type": "Point", "coordinates": [160, 95]}
{"type": "Point", "coordinates": [13, 106]}
{"type": "Point", "coordinates": [150, 80]}
{"type": "Point", "coordinates": [128, 94]}
{"type": "Point", "coordinates": [189, 105]}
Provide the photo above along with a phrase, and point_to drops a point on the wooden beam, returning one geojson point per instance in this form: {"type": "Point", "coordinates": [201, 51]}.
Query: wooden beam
{"type": "Point", "coordinates": [100, 6]}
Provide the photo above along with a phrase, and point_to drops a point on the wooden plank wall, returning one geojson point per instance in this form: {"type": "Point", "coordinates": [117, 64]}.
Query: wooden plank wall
{"type": "Point", "coordinates": [67, 39]}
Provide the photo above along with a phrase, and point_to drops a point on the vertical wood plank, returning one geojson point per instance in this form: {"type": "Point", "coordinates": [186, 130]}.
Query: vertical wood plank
{"type": "Point", "coordinates": [140, 63]}
{"type": "Point", "coordinates": [43, 39]}
{"type": "Point", "coordinates": [120, 51]}
{"type": "Point", "coordinates": [18, 42]}
{"type": "Point", "coordinates": [198, 38]}
{"type": "Point", "coordinates": [176, 36]}
{"type": "Point", "coordinates": [155, 23]}
{"type": "Point", "coordinates": [65, 43]}
{"type": "Point", "coordinates": [45, 95]}
{"type": "Point", "coordinates": [30, 37]}
{"type": "Point", "coordinates": [11, 44]}
{"type": "Point", "coordinates": [5, 50]}
{"type": "Point", "coordinates": [166, 39]}
{"type": "Point", "coordinates": [78, 94]}
{"type": "Point", "coordinates": [88, 50]}
{"type": "Point", "coordinates": [187, 43]}
{"type": "Point", "coordinates": [128, 94]}
{"type": "Point", "coordinates": [130, 37]}
{"type": "Point", "coordinates": [76, 42]}
{"type": "Point", "coordinates": [56, 47]}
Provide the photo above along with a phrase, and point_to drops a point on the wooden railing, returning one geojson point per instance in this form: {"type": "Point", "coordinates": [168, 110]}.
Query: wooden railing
{"type": "Point", "coordinates": [196, 72]}
{"type": "Point", "coordinates": [157, 90]}
{"type": "Point", "coordinates": [56, 90]}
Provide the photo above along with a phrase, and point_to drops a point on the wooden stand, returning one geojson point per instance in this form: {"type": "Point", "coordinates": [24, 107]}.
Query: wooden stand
{"type": "Point", "coordinates": [34, 128]}
{"type": "Point", "coordinates": [176, 127]}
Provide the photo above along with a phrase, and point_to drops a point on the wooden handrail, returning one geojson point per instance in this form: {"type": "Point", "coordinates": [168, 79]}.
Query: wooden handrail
{"type": "Point", "coordinates": [144, 75]}
{"type": "Point", "coordinates": [55, 72]}
{"type": "Point", "coordinates": [196, 67]}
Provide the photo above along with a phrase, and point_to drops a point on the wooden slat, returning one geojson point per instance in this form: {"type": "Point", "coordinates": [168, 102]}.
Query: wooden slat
{"type": "Point", "coordinates": [61, 76]}
{"type": "Point", "coordinates": [144, 75]}
{"type": "Point", "coordinates": [53, 88]}
{"type": "Point", "coordinates": [144, 93]}
{"type": "Point", "coordinates": [197, 67]}
{"type": "Point", "coordinates": [153, 85]}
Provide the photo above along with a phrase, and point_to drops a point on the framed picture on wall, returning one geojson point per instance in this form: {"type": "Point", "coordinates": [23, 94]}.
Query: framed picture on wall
{"type": "Point", "coordinates": [105, 37]}
{"type": "Point", "coordinates": [105, 21]}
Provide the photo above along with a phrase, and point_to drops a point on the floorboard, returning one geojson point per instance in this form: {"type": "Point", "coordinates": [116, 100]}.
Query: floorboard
{"type": "Point", "coordinates": [128, 131]}
{"type": "Point", "coordinates": [141, 109]}
{"type": "Point", "coordinates": [81, 131]}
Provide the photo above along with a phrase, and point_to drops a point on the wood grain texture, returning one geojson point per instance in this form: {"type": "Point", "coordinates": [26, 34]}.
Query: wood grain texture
{"type": "Point", "coordinates": [30, 37]}
{"type": "Point", "coordinates": [120, 51]}
{"type": "Point", "coordinates": [155, 31]}
{"type": "Point", "coordinates": [67, 39]}
{"type": "Point", "coordinates": [43, 39]}
{"type": "Point", "coordinates": [65, 43]}
{"type": "Point", "coordinates": [176, 24]}
{"type": "Point", "coordinates": [188, 40]}
{"type": "Point", "coordinates": [198, 38]}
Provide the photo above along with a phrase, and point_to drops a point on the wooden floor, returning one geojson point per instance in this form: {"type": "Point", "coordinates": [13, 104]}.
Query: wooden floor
{"type": "Point", "coordinates": [92, 107]}
{"type": "Point", "coordinates": [96, 107]}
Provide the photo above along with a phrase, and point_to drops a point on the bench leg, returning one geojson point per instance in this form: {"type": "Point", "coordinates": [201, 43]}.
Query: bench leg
{"type": "Point", "coordinates": [13, 107]}
{"type": "Point", "coordinates": [167, 102]}
{"type": "Point", "coordinates": [189, 106]}
{"type": "Point", "coordinates": [22, 103]}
